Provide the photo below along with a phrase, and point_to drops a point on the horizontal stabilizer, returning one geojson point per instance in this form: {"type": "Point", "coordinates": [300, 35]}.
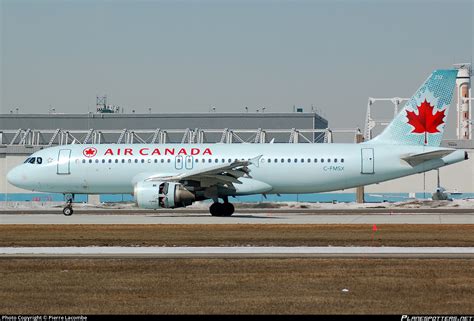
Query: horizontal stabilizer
{"type": "Point", "coordinates": [416, 159]}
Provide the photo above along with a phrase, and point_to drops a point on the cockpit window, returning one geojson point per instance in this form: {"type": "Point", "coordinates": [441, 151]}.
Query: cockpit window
{"type": "Point", "coordinates": [34, 160]}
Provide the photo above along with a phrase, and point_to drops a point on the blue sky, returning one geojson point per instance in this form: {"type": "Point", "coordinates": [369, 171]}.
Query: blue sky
{"type": "Point", "coordinates": [180, 56]}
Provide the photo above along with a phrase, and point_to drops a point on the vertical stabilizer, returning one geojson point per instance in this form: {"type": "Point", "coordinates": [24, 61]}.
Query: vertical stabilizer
{"type": "Point", "coordinates": [423, 119]}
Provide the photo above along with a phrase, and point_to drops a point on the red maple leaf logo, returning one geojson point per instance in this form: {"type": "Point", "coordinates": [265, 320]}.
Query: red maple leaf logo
{"type": "Point", "coordinates": [426, 122]}
{"type": "Point", "coordinates": [89, 152]}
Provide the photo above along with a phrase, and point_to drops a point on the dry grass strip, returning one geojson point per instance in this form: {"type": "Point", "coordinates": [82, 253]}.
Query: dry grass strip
{"type": "Point", "coordinates": [234, 286]}
{"type": "Point", "coordinates": [236, 235]}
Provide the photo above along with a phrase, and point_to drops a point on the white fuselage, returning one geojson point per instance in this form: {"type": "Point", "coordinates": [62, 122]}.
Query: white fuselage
{"type": "Point", "coordinates": [281, 168]}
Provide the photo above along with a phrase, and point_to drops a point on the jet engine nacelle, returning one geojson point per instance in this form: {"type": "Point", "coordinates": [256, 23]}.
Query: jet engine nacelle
{"type": "Point", "coordinates": [155, 195]}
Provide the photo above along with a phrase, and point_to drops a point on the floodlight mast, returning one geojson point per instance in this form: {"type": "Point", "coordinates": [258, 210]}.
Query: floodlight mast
{"type": "Point", "coordinates": [464, 101]}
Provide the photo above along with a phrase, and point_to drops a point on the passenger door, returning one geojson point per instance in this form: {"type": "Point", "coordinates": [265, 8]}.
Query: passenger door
{"type": "Point", "coordinates": [64, 157]}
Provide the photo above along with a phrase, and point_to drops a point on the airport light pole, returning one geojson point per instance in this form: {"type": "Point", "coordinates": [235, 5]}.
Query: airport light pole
{"type": "Point", "coordinates": [6, 183]}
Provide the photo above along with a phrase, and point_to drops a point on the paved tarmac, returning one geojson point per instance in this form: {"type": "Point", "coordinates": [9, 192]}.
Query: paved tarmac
{"type": "Point", "coordinates": [219, 252]}
{"type": "Point", "coordinates": [260, 217]}
{"type": "Point", "coordinates": [176, 211]}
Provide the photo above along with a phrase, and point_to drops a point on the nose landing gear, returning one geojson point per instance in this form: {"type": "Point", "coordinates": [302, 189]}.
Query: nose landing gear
{"type": "Point", "coordinates": [67, 210]}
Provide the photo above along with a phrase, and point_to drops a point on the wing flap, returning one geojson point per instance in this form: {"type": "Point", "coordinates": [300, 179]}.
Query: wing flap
{"type": "Point", "coordinates": [221, 179]}
{"type": "Point", "coordinates": [228, 173]}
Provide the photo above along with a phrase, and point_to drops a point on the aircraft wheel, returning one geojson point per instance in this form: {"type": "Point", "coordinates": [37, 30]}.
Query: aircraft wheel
{"type": "Point", "coordinates": [68, 211]}
{"type": "Point", "coordinates": [221, 209]}
{"type": "Point", "coordinates": [216, 209]}
{"type": "Point", "coordinates": [228, 209]}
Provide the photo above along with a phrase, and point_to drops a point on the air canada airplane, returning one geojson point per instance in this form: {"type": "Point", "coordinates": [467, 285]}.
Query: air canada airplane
{"type": "Point", "coordinates": [176, 175]}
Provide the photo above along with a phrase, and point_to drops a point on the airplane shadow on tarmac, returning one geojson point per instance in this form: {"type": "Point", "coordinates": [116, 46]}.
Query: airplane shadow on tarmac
{"type": "Point", "coordinates": [228, 217]}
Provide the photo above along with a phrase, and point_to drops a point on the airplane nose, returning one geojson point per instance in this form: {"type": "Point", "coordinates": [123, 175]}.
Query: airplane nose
{"type": "Point", "coordinates": [14, 177]}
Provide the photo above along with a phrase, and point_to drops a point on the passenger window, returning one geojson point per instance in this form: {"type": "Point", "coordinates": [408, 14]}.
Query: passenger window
{"type": "Point", "coordinates": [229, 160]}
{"type": "Point", "coordinates": [162, 160]}
{"type": "Point", "coordinates": [276, 160]}
{"type": "Point", "coordinates": [329, 160]}
{"type": "Point", "coordinates": [129, 160]}
{"type": "Point", "coordinates": [96, 160]}
{"type": "Point", "coordinates": [216, 160]}
{"type": "Point", "coordinates": [335, 160]}
{"type": "Point", "coordinates": [142, 160]}
{"type": "Point", "coordinates": [302, 160]}
{"type": "Point", "coordinates": [309, 160]}
{"type": "Point", "coordinates": [168, 160]}
{"type": "Point", "coordinates": [289, 160]}
{"type": "Point", "coordinates": [103, 161]}
{"type": "Point", "coordinates": [342, 160]}
{"type": "Point", "coordinates": [322, 160]}
{"type": "Point", "coordinates": [282, 160]}
{"type": "Point", "coordinates": [110, 160]}
{"type": "Point", "coordinates": [296, 160]}
{"type": "Point", "coordinates": [269, 160]}
{"type": "Point", "coordinates": [223, 160]}
{"type": "Point", "coordinates": [83, 161]}
{"type": "Point", "coordinates": [156, 160]}
{"type": "Point", "coordinates": [136, 160]}
{"type": "Point", "coordinates": [123, 161]}
{"type": "Point", "coordinates": [209, 161]}
{"type": "Point", "coordinates": [90, 161]}
{"type": "Point", "coordinates": [315, 160]}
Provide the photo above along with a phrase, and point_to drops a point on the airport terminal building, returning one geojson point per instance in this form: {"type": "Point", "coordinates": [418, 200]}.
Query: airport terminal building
{"type": "Point", "coordinates": [23, 134]}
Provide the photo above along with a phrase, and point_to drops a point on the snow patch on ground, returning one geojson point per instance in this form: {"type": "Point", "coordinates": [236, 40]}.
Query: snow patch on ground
{"type": "Point", "coordinates": [414, 203]}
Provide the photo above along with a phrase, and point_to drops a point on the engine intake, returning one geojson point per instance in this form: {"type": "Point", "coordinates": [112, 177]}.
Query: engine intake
{"type": "Point", "coordinates": [153, 195]}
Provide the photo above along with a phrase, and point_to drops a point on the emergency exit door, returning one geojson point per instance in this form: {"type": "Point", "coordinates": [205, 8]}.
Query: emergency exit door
{"type": "Point", "coordinates": [178, 162]}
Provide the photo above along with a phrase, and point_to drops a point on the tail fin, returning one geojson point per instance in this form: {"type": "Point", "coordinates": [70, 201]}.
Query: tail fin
{"type": "Point", "coordinates": [422, 120]}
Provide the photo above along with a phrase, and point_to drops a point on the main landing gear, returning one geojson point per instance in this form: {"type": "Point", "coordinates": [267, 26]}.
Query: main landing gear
{"type": "Point", "coordinates": [67, 210]}
{"type": "Point", "coordinates": [222, 209]}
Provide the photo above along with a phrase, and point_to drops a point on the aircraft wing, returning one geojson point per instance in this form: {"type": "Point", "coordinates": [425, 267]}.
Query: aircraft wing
{"type": "Point", "coordinates": [219, 174]}
{"type": "Point", "coordinates": [416, 159]}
